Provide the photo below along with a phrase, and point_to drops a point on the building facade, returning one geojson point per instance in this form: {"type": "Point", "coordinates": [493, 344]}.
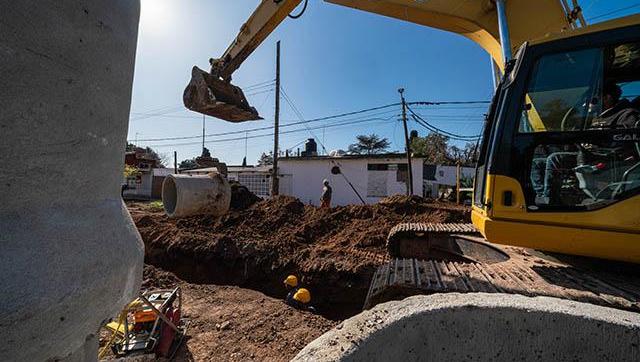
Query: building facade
{"type": "Point", "coordinates": [354, 178]}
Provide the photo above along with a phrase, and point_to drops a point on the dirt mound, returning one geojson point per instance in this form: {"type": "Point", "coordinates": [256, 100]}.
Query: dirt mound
{"type": "Point", "coordinates": [335, 251]}
{"type": "Point", "coordinates": [241, 197]}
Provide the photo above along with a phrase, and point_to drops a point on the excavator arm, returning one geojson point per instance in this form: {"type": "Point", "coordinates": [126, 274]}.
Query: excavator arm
{"type": "Point", "coordinates": [213, 94]}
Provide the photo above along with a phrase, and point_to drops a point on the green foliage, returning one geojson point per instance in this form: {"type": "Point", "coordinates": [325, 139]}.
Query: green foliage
{"type": "Point", "coordinates": [436, 150]}
{"type": "Point", "coordinates": [130, 171]}
{"type": "Point", "coordinates": [188, 164]}
{"type": "Point", "coordinates": [368, 145]}
{"type": "Point", "coordinates": [155, 205]}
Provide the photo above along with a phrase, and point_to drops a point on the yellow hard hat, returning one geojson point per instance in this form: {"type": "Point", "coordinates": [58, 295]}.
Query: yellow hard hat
{"type": "Point", "coordinates": [302, 295]}
{"type": "Point", "coordinates": [291, 281]}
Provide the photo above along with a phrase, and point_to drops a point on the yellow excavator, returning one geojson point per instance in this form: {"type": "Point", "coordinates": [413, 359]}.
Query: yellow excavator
{"type": "Point", "coordinates": [558, 172]}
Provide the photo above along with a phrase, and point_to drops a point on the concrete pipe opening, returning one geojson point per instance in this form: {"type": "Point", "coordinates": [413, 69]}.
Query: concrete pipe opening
{"type": "Point", "coordinates": [480, 326]}
{"type": "Point", "coordinates": [184, 195]}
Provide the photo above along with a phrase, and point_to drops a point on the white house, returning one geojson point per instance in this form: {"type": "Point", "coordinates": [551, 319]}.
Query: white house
{"type": "Point", "coordinates": [352, 177]}
{"type": "Point", "coordinates": [147, 184]}
{"type": "Point", "coordinates": [436, 176]}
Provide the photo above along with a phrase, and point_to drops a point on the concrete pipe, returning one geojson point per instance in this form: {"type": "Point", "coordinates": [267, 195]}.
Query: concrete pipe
{"type": "Point", "coordinates": [184, 195]}
{"type": "Point", "coordinates": [481, 327]}
{"type": "Point", "coordinates": [71, 256]}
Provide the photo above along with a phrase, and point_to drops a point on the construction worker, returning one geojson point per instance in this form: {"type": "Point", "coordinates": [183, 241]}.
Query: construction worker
{"type": "Point", "coordinates": [297, 297]}
{"type": "Point", "coordinates": [325, 198]}
{"type": "Point", "coordinates": [291, 283]}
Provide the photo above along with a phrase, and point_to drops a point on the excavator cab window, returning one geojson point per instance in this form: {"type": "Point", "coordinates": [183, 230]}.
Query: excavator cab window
{"type": "Point", "coordinates": [580, 123]}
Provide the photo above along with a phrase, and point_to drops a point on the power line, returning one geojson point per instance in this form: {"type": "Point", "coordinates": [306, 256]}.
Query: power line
{"type": "Point", "coordinates": [614, 12]}
{"type": "Point", "coordinates": [421, 121]}
{"type": "Point", "coordinates": [422, 103]}
{"type": "Point", "coordinates": [261, 92]}
{"type": "Point", "coordinates": [271, 134]}
{"type": "Point", "coordinates": [262, 128]}
{"type": "Point", "coordinates": [259, 85]}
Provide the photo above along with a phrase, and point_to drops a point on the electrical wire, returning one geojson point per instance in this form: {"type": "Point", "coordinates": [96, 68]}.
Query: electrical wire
{"type": "Point", "coordinates": [614, 11]}
{"type": "Point", "coordinates": [361, 118]}
{"type": "Point", "coordinates": [421, 121]}
{"type": "Point", "coordinates": [271, 134]}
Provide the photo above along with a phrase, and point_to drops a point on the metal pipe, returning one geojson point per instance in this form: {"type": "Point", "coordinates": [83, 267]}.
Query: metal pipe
{"type": "Point", "coordinates": [583, 21]}
{"type": "Point", "coordinates": [503, 27]}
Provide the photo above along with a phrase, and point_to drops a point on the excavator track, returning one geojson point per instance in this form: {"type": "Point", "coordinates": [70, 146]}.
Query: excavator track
{"type": "Point", "coordinates": [427, 240]}
{"type": "Point", "coordinates": [495, 269]}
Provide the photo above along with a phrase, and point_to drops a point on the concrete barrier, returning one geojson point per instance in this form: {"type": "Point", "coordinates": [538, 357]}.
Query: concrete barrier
{"type": "Point", "coordinates": [184, 195]}
{"type": "Point", "coordinates": [481, 327]}
{"type": "Point", "coordinates": [70, 256]}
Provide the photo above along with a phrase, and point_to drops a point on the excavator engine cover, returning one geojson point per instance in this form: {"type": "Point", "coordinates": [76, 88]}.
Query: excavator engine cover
{"type": "Point", "coordinates": [212, 96]}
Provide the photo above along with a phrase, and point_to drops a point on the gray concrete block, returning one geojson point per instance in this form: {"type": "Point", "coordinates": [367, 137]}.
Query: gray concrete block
{"type": "Point", "coordinates": [481, 327]}
{"type": "Point", "coordinates": [71, 256]}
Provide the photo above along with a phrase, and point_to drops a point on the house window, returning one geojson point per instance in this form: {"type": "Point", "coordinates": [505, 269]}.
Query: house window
{"type": "Point", "coordinates": [377, 167]}
{"type": "Point", "coordinates": [259, 184]}
{"type": "Point", "coordinates": [401, 172]}
{"type": "Point", "coordinates": [377, 179]}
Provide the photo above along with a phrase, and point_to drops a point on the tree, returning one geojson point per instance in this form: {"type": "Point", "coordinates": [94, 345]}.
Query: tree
{"type": "Point", "coordinates": [265, 159]}
{"type": "Point", "coordinates": [162, 159]}
{"type": "Point", "coordinates": [188, 164]}
{"type": "Point", "coordinates": [433, 147]}
{"type": "Point", "coordinates": [370, 144]}
{"type": "Point", "coordinates": [436, 150]}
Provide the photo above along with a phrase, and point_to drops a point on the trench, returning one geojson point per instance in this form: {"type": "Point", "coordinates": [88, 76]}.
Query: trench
{"type": "Point", "coordinates": [336, 294]}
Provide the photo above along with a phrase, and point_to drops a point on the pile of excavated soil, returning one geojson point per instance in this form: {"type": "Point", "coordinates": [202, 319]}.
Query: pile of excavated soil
{"type": "Point", "coordinates": [335, 251]}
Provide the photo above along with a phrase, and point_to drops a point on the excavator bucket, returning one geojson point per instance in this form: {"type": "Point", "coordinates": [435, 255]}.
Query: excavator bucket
{"type": "Point", "coordinates": [212, 96]}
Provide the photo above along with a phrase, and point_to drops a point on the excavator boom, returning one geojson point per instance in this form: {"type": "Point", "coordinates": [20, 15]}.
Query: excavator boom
{"type": "Point", "coordinates": [212, 93]}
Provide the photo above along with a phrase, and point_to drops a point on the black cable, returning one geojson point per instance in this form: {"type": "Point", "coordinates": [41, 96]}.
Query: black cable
{"type": "Point", "coordinates": [304, 7]}
{"type": "Point", "coordinates": [362, 119]}
{"type": "Point", "coordinates": [614, 12]}
{"type": "Point", "coordinates": [443, 132]}
{"type": "Point", "coordinates": [433, 128]}
{"type": "Point", "coordinates": [446, 102]}
{"type": "Point", "coordinates": [332, 125]}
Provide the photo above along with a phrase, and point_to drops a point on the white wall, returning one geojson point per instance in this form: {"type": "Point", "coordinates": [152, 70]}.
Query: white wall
{"type": "Point", "coordinates": [307, 176]}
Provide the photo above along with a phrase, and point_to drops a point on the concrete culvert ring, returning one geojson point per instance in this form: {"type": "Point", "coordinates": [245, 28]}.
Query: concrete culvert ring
{"type": "Point", "coordinates": [480, 326]}
{"type": "Point", "coordinates": [169, 195]}
{"type": "Point", "coordinates": [184, 195]}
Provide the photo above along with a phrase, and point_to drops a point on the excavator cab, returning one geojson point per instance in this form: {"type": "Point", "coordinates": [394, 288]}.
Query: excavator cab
{"type": "Point", "coordinates": [560, 155]}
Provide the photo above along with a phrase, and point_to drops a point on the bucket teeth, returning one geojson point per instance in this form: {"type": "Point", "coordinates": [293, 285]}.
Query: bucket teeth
{"type": "Point", "coordinates": [212, 96]}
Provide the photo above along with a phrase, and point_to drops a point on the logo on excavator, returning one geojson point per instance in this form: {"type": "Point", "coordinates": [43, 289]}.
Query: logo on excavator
{"type": "Point", "coordinates": [626, 137]}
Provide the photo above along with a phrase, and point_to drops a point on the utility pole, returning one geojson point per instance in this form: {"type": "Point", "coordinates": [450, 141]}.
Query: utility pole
{"type": "Point", "coordinates": [458, 183]}
{"type": "Point", "coordinates": [407, 144]}
{"type": "Point", "coordinates": [175, 162]}
{"type": "Point", "coordinates": [203, 134]}
{"type": "Point", "coordinates": [275, 183]}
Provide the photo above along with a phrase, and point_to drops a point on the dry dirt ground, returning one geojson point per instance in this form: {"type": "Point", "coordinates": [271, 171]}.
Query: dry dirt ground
{"type": "Point", "coordinates": [231, 268]}
{"type": "Point", "coordinates": [229, 323]}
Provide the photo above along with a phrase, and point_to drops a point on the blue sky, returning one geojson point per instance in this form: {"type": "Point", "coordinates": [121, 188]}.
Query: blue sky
{"type": "Point", "coordinates": [334, 60]}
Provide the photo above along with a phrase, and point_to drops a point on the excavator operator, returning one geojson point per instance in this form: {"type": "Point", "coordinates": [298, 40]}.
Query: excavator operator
{"type": "Point", "coordinates": [592, 163]}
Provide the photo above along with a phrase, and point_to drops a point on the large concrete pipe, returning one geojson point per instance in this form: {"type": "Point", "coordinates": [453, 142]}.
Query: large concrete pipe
{"type": "Point", "coordinates": [184, 195]}
{"type": "Point", "coordinates": [481, 327]}
{"type": "Point", "coordinates": [70, 255]}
